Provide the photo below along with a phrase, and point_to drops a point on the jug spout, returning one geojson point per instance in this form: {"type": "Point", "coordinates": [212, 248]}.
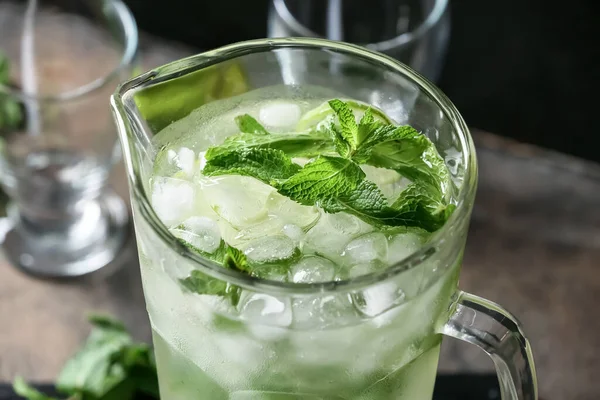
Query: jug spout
{"type": "Point", "coordinates": [145, 105]}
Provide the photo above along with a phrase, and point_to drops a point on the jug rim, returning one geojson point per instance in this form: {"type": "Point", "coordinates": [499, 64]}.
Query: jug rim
{"type": "Point", "coordinates": [458, 220]}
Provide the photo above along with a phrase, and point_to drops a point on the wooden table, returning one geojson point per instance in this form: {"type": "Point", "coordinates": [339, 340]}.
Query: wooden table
{"type": "Point", "coordinates": [534, 247]}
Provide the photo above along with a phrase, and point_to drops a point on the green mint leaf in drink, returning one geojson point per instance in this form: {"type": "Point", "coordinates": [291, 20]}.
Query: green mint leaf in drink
{"type": "Point", "coordinates": [200, 283]}
{"type": "Point", "coordinates": [293, 144]}
{"type": "Point", "coordinates": [247, 124]}
{"type": "Point", "coordinates": [348, 130]}
{"type": "Point", "coordinates": [265, 164]}
{"type": "Point", "coordinates": [416, 158]}
{"type": "Point", "coordinates": [369, 204]}
{"type": "Point", "coordinates": [323, 178]}
{"type": "Point", "coordinates": [236, 259]}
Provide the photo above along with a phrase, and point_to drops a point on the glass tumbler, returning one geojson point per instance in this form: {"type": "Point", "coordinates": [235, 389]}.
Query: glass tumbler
{"type": "Point", "coordinates": [61, 60]}
{"type": "Point", "coordinates": [372, 337]}
{"type": "Point", "coordinates": [413, 31]}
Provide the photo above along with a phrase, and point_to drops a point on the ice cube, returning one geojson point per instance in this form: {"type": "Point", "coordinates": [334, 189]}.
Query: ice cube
{"type": "Point", "coordinates": [344, 223]}
{"type": "Point", "coordinates": [264, 309]}
{"type": "Point", "coordinates": [366, 248]}
{"type": "Point", "coordinates": [269, 227]}
{"type": "Point", "coordinates": [312, 269]}
{"type": "Point", "coordinates": [201, 160]}
{"type": "Point", "coordinates": [172, 199]}
{"type": "Point", "coordinates": [270, 248]}
{"type": "Point", "coordinates": [280, 114]}
{"type": "Point", "coordinates": [186, 160]}
{"type": "Point", "coordinates": [201, 232]}
{"type": "Point", "coordinates": [291, 211]}
{"type": "Point", "coordinates": [239, 200]}
{"type": "Point", "coordinates": [323, 310]}
{"type": "Point", "coordinates": [403, 245]}
{"type": "Point", "coordinates": [331, 234]}
{"type": "Point", "coordinates": [294, 232]}
{"type": "Point", "coordinates": [376, 299]}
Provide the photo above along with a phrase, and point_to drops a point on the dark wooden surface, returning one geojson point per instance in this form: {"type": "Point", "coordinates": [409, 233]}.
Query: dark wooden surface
{"type": "Point", "coordinates": [534, 248]}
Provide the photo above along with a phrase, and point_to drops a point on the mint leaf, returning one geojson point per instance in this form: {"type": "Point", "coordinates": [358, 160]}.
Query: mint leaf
{"type": "Point", "coordinates": [293, 144]}
{"type": "Point", "coordinates": [248, 124]}
{"type": "Point", "coordinates": [419, 203]}
{"type": "Point", "coordinates": [378, 134]}
{"type": "Point", "coordinates": [348, 132]}
{"type": "Point", "coordinates": [324, 177]}
{"type": "Point", "coordinates": [200, 283]}
{"type": "Point", "coordinates": [93, 370]}
{"type": "Point", "coordinates": [342, 147]}
{"type": "Point", "coordinates": [236, 259]}
{"type": "Point", "coordinates": [412, 209]}
{"type": "Point", "coordinates": [30, 393]}
{"type": "Point", "coordinates": [267, 165]}
{"type": "Point", "coordinates": [109, 366]}
{"type": "Point", "coordinates": [417, 159]}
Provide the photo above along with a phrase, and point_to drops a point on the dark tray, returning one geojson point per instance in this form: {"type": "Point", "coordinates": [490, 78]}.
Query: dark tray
{"type": "Point", "coordinates": [448, 387]}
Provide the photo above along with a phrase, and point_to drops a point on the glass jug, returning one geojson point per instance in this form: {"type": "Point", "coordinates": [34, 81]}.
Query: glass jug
{"type": "Point", "coordinates": [258, 349]}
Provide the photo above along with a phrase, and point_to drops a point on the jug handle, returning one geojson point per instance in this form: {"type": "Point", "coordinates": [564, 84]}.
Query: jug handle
{"type": "Point", "coordinates": [494, 330]}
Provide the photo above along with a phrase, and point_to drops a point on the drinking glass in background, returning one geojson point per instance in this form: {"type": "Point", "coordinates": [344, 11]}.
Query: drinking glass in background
{"type": "Point", "coordinates": [61, 60]}
{"type": "Point", "coordinates": [414, 32]}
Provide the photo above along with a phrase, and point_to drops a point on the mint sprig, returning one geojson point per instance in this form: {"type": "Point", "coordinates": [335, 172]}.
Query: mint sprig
{"type": "Point", "coordinates": [337, 183]}
{"type": "Point", "coordinates": [109, 366]}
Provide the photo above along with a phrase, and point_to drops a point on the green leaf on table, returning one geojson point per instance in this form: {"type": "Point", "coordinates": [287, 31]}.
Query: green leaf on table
{"type": "Point", "coordinates": [322, 178]}
{"type": "Point", "coordinates": [92, 370]}
{"type": "Point", "coordinates": [110, 365]}
{"type": "Point", "coordinates": [28, 392]}
{"type": "Point", "coordinates": [247, 124]}
{"type": "Point", "coordinates": [267, 165]}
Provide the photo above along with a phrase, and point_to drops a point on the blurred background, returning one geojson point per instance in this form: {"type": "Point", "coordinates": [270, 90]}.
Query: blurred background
{"type": "Point", "coordinates": [525, 69]}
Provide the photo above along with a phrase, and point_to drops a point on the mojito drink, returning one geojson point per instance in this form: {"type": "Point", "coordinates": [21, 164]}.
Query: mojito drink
{"type": "Point", "coordinates": [297, 185]}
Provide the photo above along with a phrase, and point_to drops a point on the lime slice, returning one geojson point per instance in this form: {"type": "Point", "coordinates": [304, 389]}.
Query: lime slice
{"type": "Point", "coordinates": [320, 113]}
{"type": "Point", "coordinates": [172, 100]}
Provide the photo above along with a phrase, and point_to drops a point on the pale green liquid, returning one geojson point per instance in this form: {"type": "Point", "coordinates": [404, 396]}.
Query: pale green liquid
{"type": "Point", "coordinates": [180, 379]}
{"type": "Point", "coordinates": [205, 349]}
